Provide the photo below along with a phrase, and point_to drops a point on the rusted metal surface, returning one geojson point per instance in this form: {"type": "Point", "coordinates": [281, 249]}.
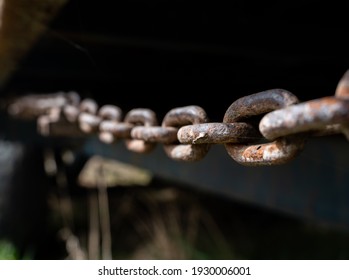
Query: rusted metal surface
{"type": "Point", "coordinates": [324, 116]}
{"type": "Point", "coordinates": [182, 116]}
{"type": "Point", "coordinates": [110, 131]}
{"type": "Point", "coordinates": [342, 91]}
{"type": "Point", "coordinates": [140, 117]}
{"type": "Point", "coordinates": [89, 119]}
{"type": "Point", "coordinates": [258, 104]}
{"type": "Point", "coordinates": [88, 106]}
{"type": "Point", "coordinates": [35, 105]}
{"type": "Point", "coordinates": [307, 116]}
{"type": "Point", "coordinates": [186, 133]}
{"type": "Point", "coordinates": [71, 112]}
{"type": "Point", "coordinates": [186, 152]}
{"type": "Point", "coordinates": [217, 133]}
{"type": "Point", "coordinates": [109, 113]}
{"type": "Point", "coordinates": [299, 187]}
{"type": "Point", "coordinates": [88, 122]}
{"type": "Point", "coordinates": [278, 152]}
{"type": "Point", "coordinates": [156, 134]}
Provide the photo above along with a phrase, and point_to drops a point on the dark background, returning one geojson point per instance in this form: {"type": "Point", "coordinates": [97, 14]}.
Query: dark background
{"type": "Point", "coordinates": [163, 54]}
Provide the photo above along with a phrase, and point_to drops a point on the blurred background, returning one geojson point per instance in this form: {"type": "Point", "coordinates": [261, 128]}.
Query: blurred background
{"type": "Point", "coordinates": [81, 199]}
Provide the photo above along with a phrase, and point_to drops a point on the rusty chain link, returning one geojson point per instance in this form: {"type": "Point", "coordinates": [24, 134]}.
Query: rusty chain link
{"type": "Point", "coordinates": [186, 134]}
{"type": "Point", "coordinates": [279, 151]}
{"type": "Point", "coordinates": [177, 118]}
{"type": "Point", "coordinates": [143, 118]}
{"type": "Point", "coordinates": [342, 92]}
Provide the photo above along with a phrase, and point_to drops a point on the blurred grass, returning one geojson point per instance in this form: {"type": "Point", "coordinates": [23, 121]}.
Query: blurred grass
{"type": "Point", "coordinates": [167, 220]}
{"type": "Point", "coordinates": [8, 251]}
{"type": "Point", "coordinates": [195, 225]}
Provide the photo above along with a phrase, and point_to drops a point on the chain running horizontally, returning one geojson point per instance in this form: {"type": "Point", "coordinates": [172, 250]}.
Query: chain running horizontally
{"type": "Point", "coordinates": [186, 133]}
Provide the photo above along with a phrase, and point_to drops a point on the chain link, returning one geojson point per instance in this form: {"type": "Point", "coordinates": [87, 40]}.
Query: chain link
{"type": "Point", "coordinates": [217, 133]}
{"type": "Point", "coordinates": [144, 118]}
{"type": "Point", "coordinates": [279, 151]}
{"type": "Point", "coordinates": [186, 133]}
{"type": "Point", "coordinates": [308, 116]}
{"type": "Point", "coordinates": [177, 118]}
{"type": "Point", "coordinates": [342, 91]}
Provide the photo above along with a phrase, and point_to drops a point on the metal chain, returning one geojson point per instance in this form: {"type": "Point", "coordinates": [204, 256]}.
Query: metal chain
{"type": "Point", "coordinates": [185, 132]}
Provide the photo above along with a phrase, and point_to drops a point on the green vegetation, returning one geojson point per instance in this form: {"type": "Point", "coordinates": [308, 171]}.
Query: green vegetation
{"type": "Point", "coordinates": [7, 251]}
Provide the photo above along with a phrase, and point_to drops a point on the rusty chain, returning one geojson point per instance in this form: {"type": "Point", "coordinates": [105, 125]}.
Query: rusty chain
{"type": "Point", "coordinates": [186, 133]}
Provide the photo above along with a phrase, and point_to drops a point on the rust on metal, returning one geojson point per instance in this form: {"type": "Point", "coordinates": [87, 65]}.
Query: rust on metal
{"type": "Point", "coordinates": [186, 152]}
{"type": "Point", "coordinates": [88, 122]}
{"type": "Point", "coordinates": [88, 106]}
{"type": "Point", "coordinates": [217, 133]}
{"type": "Point", "coordinates": [311, 115]}
{"type": "Point", "coordinates": [258, 103]}
{"type": "Point", "coordinates": [34, 105]}
{"type": "Point", "coordinates": [342, 89]}
{"type": "Point", "coordinates": [106, 137]}
{"type": "Point", "coordinates": [87, 119]}
{"type": "Point", "coordinates": [177, 118]}
{"type": "Point", "coordinates": [119, 130]}
{"type": "Point", "coordinates": [156, 134]}
{"type": "Point", "coordinates": [73, 98]}
{"type": "Point", "coordinates": [185, 115]}
{"type": "Point", "coordinates": [110, 112]}
{"type": "Point", "coordinates": [140, 117]}
{"type": "Point", "coordinates": [280, 151]}
{"type": "Point", "coordinates": [71, 112]}
{"type": "Point", "coordinates": [186, 133]}
{"type": "Point", "coordinates": [110, 130]}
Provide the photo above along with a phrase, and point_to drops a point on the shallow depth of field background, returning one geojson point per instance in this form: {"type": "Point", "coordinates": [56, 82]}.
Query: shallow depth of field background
{"type": "Point", "coordinates": [160, 55]}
